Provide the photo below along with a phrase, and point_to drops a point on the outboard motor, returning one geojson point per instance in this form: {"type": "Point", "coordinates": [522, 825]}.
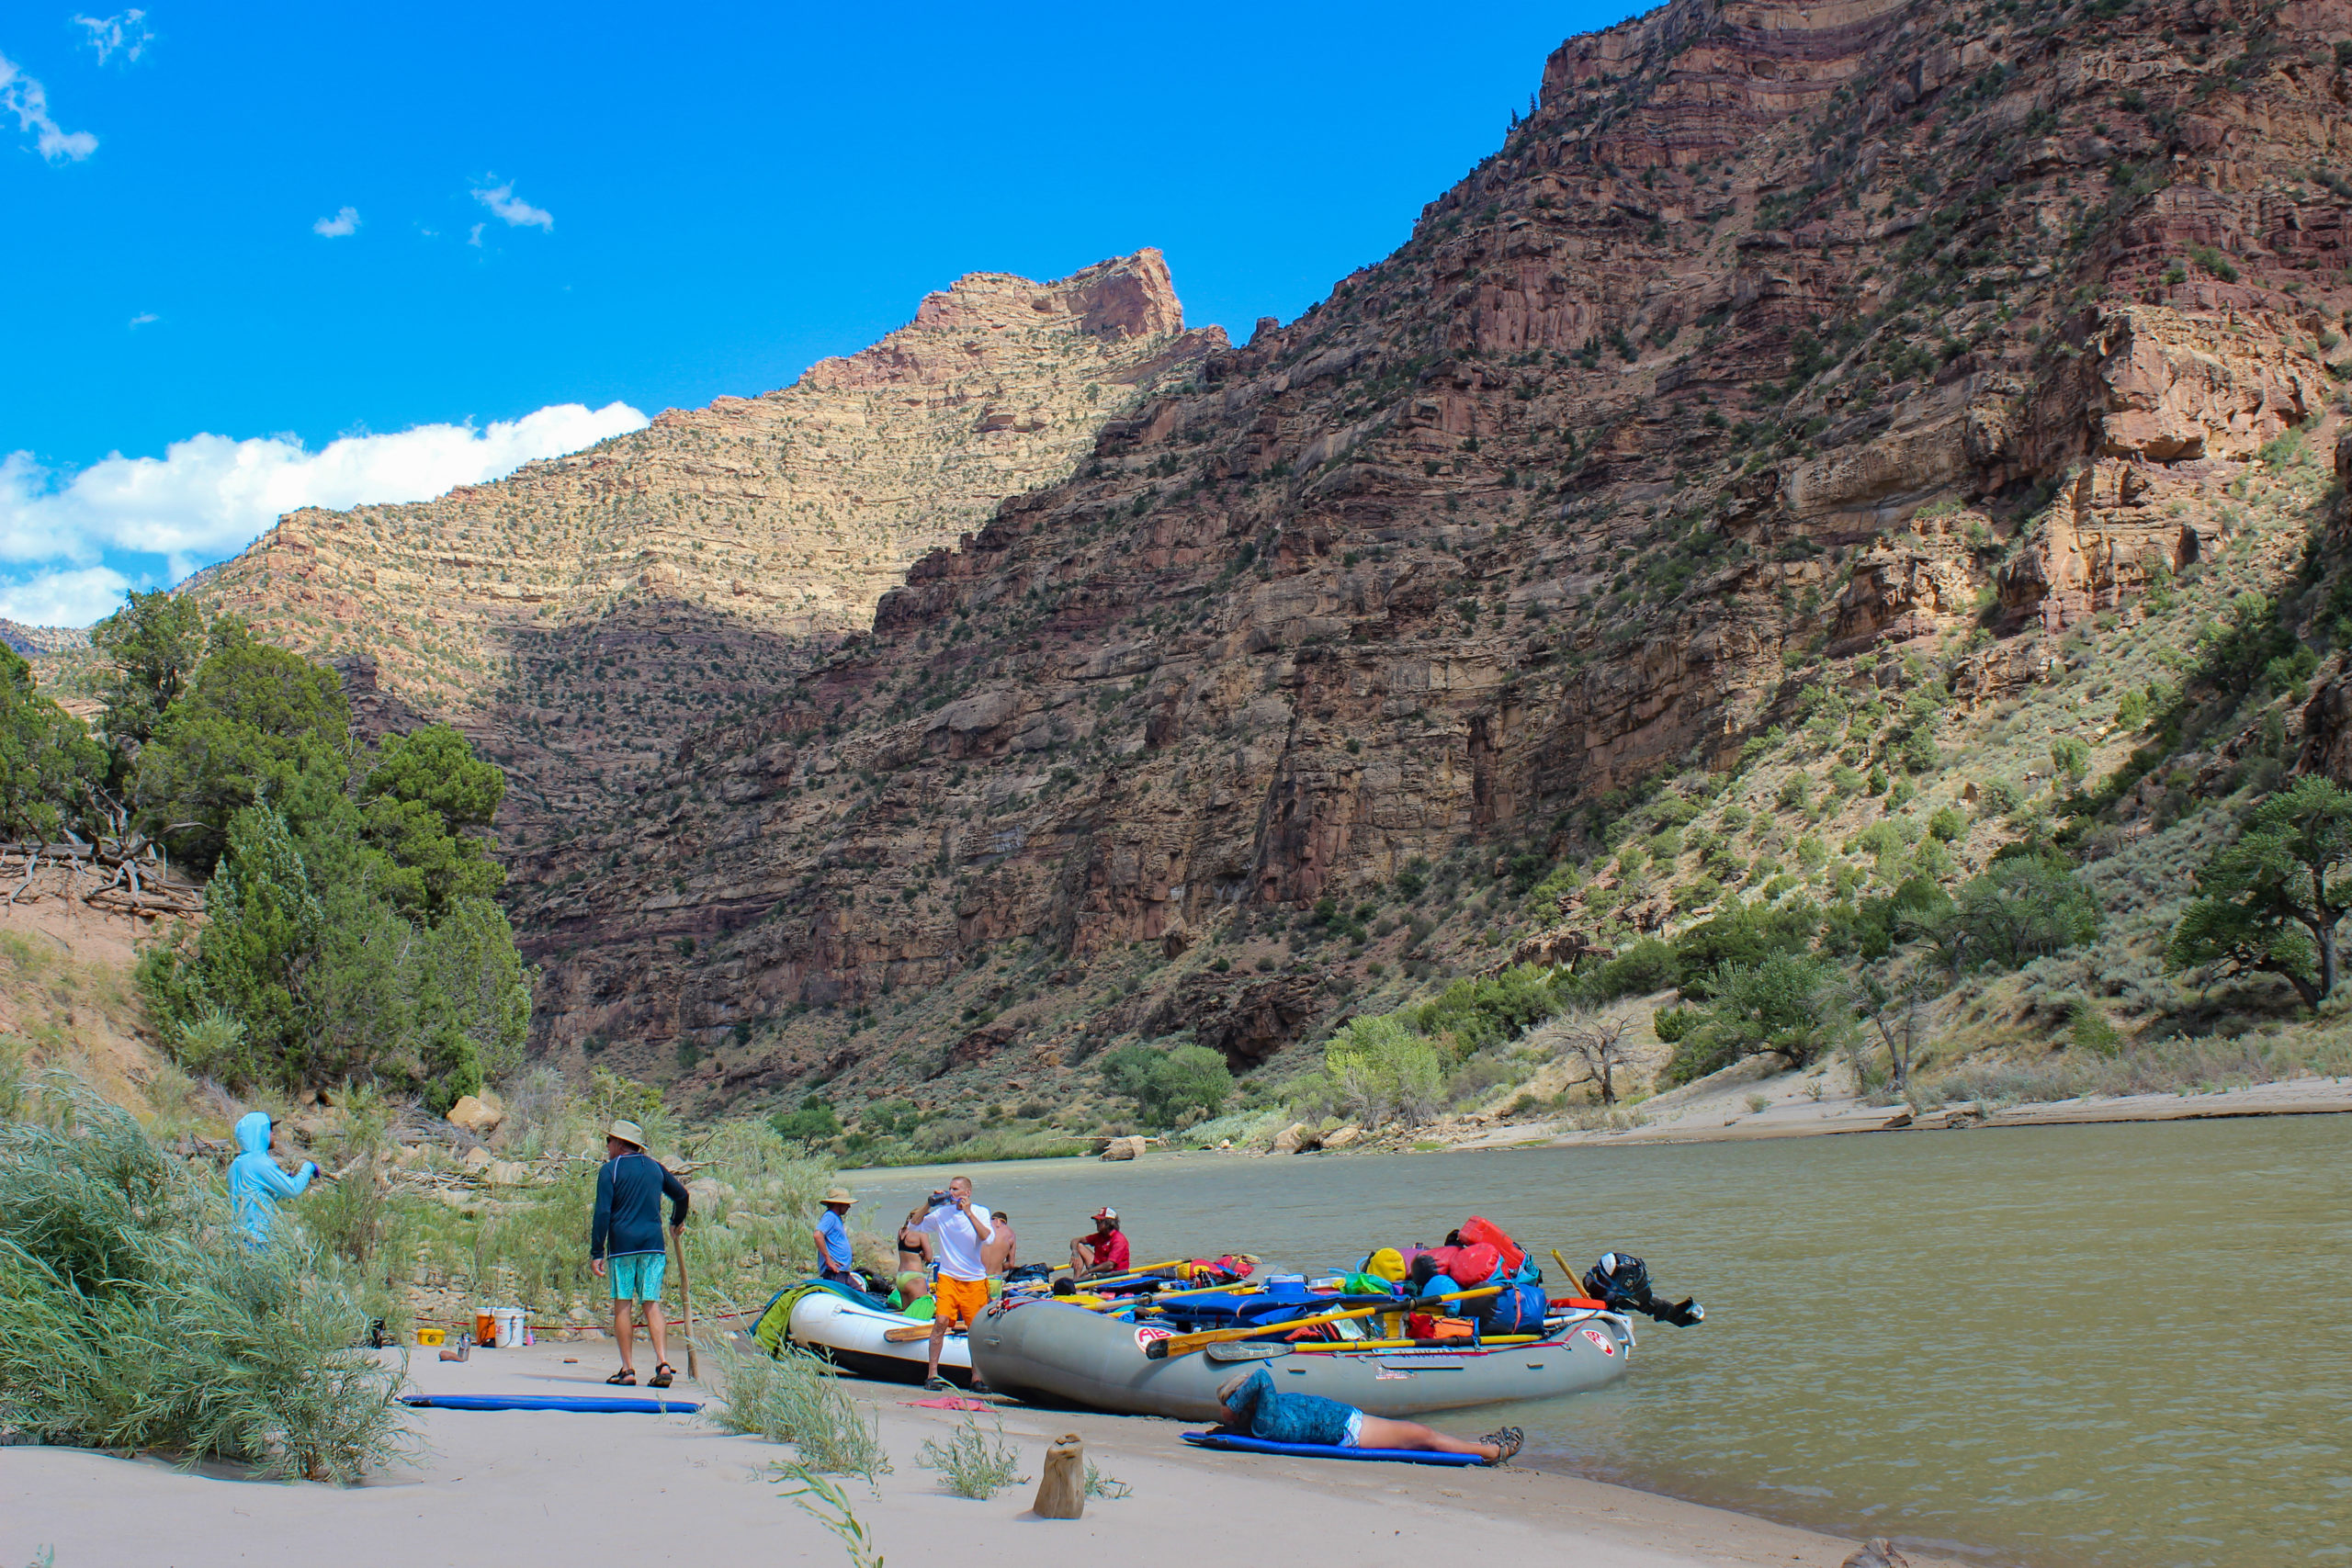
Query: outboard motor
{"type": "Point", "coordinates": [1621, 1282]}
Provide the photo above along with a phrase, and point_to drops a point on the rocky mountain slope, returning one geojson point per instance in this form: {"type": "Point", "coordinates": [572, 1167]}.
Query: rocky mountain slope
{"type": "Point", "coordinates": [577, 617]}
{"type": "Point", "coordinates": [1869, 347]}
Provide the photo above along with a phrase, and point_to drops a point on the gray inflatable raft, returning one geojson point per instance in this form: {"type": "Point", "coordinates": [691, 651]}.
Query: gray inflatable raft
{"type": "Point", "coordinates": [1044, 1348]}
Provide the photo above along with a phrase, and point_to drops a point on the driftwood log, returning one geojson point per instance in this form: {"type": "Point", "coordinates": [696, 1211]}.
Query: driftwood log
{"type": "Point", "coordinates": [128, 875]}
{"type": "Point", "coordinates": [1062, 1493]}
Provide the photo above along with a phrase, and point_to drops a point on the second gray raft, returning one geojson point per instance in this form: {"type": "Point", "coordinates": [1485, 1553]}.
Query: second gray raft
{"type": "Point", "coordinates": [1045, 1349]}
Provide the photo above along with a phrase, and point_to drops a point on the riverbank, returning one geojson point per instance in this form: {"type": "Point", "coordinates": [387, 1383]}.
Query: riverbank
{"type": "Point", "coordinates": [510, 1489]}
{"type": "Point", "coordinates": [1794, 1105]}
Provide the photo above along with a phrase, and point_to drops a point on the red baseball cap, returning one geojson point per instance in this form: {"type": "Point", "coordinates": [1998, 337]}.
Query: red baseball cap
{"type": "Point", "coordinates": [1106, 1213]}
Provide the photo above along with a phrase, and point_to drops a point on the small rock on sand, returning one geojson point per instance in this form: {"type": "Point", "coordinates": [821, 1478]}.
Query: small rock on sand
{"type": "Point", "coordinates": [1122, 1148]}
{"type": "Point", "coordinates": [1877, 1552]}
{"type": "Point", "coordinates": [1290, 1139]}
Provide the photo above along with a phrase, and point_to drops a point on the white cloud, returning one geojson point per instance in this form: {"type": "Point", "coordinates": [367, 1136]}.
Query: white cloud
{"type": "Point", "coordinates": [473, 235]}
{"type": "Point", "coordinates": [27, 99]}
{"type": "Point", "coordinates": [519, 214]}
{"type": "Point", "coordinates": [128, 35]}
{"type": "Point", "coordinates": [344, 221]}
{"type": "Point", "coordinates": [208, 496]}
{"type": "Point", "coordinates": [70, 598]}
{"type": "Point", "coordinates": [143, 317]}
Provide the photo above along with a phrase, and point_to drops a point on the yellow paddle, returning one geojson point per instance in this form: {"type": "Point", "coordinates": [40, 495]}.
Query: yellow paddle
{"type": "Point", "coordinates": [1134, 1271]}
{"type": "Point", "coordinates": [1184, 1344]}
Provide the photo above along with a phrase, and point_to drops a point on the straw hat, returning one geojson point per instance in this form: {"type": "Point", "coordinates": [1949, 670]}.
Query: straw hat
{"type": "Point", "coordinates": [840, 1195]}
{"type": "Point", "coordinates": [627, 1133]}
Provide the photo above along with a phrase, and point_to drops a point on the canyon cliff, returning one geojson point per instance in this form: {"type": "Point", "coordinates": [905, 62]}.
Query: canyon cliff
{"type": "Point", "coordinates": [580, 615]}
{"type": "Point", "coordinates": [1780, 344]}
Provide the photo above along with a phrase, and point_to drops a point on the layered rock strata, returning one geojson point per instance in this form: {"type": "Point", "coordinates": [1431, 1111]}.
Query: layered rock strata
{"type": "Point", "coordinates": [580, 615]}
{"type": "Point", "coordinates": [1778, 334]}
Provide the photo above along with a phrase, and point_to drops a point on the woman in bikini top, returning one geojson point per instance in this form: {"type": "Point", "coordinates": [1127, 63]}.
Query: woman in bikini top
{"type": "Point", "coordinates": [914, 1248]}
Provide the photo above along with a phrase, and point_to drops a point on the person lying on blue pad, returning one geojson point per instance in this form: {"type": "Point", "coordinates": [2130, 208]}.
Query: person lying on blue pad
{"type": "Point", "coordinates": [1252, 1404]}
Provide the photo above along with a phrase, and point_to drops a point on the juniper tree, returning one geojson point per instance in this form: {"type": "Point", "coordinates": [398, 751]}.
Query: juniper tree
{"type": "Point", "coordinates": [2271, 901]}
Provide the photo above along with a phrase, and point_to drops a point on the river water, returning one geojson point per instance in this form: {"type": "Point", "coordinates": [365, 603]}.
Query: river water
{"type": "Point", "coordinates": [2063, 1347]}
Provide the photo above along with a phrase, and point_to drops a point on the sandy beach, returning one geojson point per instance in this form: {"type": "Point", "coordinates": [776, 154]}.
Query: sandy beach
{"type": "Point", "coordinates": [514, 1488]}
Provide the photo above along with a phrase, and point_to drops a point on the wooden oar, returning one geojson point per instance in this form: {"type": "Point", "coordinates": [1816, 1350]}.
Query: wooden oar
{"type": "Point", "coordinates": [1184, 1344]}
{"type": "Point", "coordinates": [913, 1333]}
{"type": "Point", "coordinates": [687, 1300]}
{"type": "Point", "coordinates": [1134, 1271]}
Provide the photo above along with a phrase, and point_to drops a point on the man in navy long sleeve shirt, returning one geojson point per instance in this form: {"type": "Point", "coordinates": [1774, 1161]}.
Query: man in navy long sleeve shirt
{"type": "Point", "coordinates": [625, 1241]}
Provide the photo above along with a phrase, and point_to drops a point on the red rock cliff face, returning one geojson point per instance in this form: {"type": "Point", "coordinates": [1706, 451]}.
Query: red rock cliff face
{"type": "Point", "coordinates": [1574, 487]}
{"type": "Point", "coordinates": [581, 615]}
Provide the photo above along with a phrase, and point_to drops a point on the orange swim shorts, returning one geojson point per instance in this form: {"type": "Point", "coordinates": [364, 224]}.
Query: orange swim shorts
{"type": "Point", "coordinates": [959, 1300]}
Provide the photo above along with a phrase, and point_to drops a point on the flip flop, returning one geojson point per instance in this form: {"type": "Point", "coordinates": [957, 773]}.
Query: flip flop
{"type": "Point", "coordinates": [623, 1376]}
{"type": "Point", "coordinates": [662, 1373]}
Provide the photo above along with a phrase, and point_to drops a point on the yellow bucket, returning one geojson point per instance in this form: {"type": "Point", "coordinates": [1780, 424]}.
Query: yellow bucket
{"type": "Point", "coordinates": [429, 1336]}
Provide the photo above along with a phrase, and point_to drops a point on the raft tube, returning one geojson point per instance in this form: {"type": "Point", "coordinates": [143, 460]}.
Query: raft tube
{"type": "Point", "coordinates": [1239, 1444]}
{"type": "Point", "coordinates": [591, 1406]}
{"type": "Point", "coordinates": [1045, 1350]}
{"type": "Point", "coordinates": [850, 1332]}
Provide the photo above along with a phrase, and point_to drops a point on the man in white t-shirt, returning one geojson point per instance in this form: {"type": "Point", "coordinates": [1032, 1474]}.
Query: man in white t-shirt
{"type": "Point", "coordinates": [959, 1231]}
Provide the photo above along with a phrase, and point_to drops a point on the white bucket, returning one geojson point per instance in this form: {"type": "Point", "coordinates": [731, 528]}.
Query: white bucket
{"type": "Point", "coordinates": [510, 1326]}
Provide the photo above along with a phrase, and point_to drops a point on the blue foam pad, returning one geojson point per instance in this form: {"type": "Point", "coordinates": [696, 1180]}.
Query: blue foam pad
{"type": "Point", "coordinates": [593, 1406]}
{"type": "Point", "coordinates": [1236, 1441]}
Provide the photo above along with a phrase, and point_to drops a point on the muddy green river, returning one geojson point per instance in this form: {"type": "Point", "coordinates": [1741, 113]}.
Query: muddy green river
{"type": "Point", "coordinates": [2058, 1346]}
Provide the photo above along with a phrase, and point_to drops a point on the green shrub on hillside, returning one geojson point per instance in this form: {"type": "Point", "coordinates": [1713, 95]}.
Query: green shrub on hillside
{"type": "Point", "coordinates": [1490, 1009]}
{"type": "Point", "coordinates": [350, 933]}
{"type": "Point", "coordinates": [2271, 901]}
{"type": "Point", "coordinates": [1794, 1006]}
{"type": "Point", "coordinates": [2028, 905]}
{"type": "Point", "coordinates": [50, 768]}
{"type": "Point", "coordinates": [1168, 1085]}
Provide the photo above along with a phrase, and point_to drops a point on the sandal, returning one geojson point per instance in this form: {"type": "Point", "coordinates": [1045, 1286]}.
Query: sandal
{"type": "Point", "coordinates": [663, 1373]}
{"type": "Point", "coordinates": [623, 1376]}
{"type": "Point", "coordinates": [1506, 1438]}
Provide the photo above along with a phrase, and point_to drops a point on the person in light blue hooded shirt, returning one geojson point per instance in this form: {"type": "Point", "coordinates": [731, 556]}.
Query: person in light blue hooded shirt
{"type": "Point", "coordinates": [255, 1182]}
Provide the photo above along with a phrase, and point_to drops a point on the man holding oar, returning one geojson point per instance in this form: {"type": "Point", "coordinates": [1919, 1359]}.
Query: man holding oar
{"type": "Point", "coordinates": [624, 1241]}
{"type": "Point", "coordinates": [959, 1232]}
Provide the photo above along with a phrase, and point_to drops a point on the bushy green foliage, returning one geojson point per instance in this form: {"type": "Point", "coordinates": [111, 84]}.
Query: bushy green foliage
{"type": "Point", "coordinates": [1741, 937]}
{"type": "Point", "coordinates": [426, 788]}
{"type": "Point", "coordinates": [1382, 1069]}
{"type": "Point", "coordinates": [257, 723]}
{"type": "Point", "coordinates": [1791, 1005]}
{"type": "Point", "coordinates": [2271, 901]}
{"type": "Point", "coordinates": [812, 1122]}
{"type": "Point", "coordinates": [1486, 1009]}
{"type": "Point", "coordinates": [153, 643]}
{"type": "Point", "coordinates": [50, 768]}
{"type": "Point", "coordinates": [348, 936]}
{"type": "Point", "coordinates": [2026, 905]}
{"type": "Point", "coordinates": [1650, 964]}
{"type": "Point", "coordinates": [137, 1318]}
{"type": "Point", "coordinates": [1167, 1085]}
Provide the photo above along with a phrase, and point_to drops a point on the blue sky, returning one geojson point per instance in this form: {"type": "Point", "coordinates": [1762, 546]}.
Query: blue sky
{"type": "Point", "coordinates": [277, 226]}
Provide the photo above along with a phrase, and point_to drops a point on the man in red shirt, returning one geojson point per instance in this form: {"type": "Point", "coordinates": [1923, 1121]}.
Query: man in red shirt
{"type": "Point", "coordinates": [1103, 1253]}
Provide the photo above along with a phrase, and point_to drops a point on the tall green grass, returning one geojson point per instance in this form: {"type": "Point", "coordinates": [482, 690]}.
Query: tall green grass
{"type": "Point", "coordinates": [791, 1397]}
{"type": "Point", "coordinates": [136, 1316]}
